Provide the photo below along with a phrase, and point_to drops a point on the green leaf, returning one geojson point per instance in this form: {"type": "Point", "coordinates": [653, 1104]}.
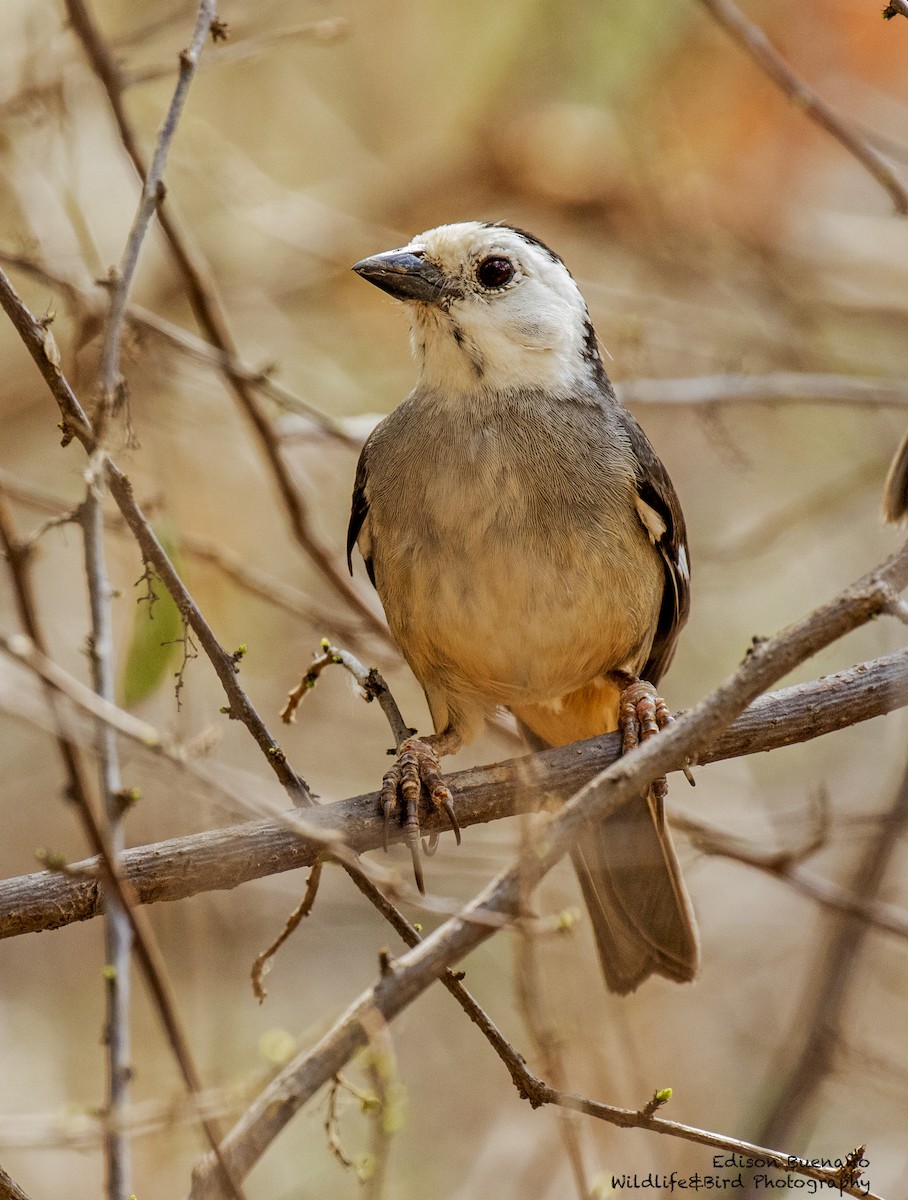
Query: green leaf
{"type": "Point", "coordinates": [155, 647]}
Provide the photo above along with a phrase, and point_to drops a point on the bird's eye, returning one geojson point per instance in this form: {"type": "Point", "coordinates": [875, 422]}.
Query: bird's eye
{"type": "Point", "coordinates": [495, 272]}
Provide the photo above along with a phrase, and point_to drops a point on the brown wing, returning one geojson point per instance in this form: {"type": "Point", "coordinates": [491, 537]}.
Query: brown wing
{"type": "Point", "coordinates": [656, 490]}
{"type": "Point", "coordinates": [358, 513]}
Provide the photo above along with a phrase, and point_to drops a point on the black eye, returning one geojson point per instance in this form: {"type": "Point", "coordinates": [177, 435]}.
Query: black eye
{"type": "Point", "coordinates": [495, 272]}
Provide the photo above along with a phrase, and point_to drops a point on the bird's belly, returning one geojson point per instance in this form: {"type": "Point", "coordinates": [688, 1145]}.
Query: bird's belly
{"type": "Point", "coordinates": [517, 624]}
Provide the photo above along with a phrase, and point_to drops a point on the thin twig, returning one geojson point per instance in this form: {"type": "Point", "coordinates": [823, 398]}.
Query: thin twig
{"type": "Point", "coordinates": [208, 308]}
{"type": "Point", "coordinates": [752, 38]}
{"type": "Point", "coordinates": [152, 195]}
{"type": "Point", "coordinates": [416, 970]}
{"type": "Point", "coordinates": [372, 687]}
{"type": "Point", "coordinates": [326, 32]}
{"type": "Point", "coordinates": [773, 387]}
{"type": "Point", "coordinates": [117, 929]}
{"type": "Point", "coordinates": [800, 1072]}
{"type": "Point", "coordinates": [545, 1040]}
{"type": "Point", "coordinates": [262, 964]}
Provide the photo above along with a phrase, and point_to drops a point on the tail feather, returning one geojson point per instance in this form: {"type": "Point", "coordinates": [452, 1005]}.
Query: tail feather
{"type": "Point", "coordinates": [631, 881]}
{"type": "Point", "coordinates": [639, 907]}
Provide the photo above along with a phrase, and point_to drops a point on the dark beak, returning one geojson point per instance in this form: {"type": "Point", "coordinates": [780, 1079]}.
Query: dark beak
{"type": "Point", "coordinates": [404, 275]}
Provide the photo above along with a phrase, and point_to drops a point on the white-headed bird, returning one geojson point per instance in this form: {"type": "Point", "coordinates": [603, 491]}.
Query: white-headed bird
{"type": "Point", "coordinates": [530, 553]}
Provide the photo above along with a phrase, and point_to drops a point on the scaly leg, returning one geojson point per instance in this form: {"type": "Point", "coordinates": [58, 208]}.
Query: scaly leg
{"type": "Point", "coordinates": [642, 713]}
{"type": "Point", "coordinates": [416, 767]}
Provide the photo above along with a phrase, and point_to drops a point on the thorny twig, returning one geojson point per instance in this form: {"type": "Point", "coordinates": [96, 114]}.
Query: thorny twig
{"type": "Point", "coordinates": [262, 964]}
{"type": "Point", "coordinates": [117, 929]}
{"type": "Point", "coordinates": [749, 35]}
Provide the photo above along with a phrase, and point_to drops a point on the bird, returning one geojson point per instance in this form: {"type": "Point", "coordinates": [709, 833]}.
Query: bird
{"type": "Point", "coordinates": [895, 491]}
{"type": "Point", "coordinates": [530, 553]}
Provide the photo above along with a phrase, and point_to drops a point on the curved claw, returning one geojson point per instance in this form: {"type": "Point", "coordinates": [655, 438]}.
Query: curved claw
{"type": "Point", "coordinates": [430, 845]}
{"type": "Point", "coordinates": [417, 866]}
{"type": "Point", "coordinates": [449, 809]}
{"type": "Point", "coordinates": [387, 806]}
{"type": "Point", "coordinates": [689, 775]}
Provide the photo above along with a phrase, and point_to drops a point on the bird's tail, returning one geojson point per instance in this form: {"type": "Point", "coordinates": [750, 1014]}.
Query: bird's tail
{"type": "Point", "coordinates": [631, 881]}
{"type": "Point", "coordinates": [638, 905]}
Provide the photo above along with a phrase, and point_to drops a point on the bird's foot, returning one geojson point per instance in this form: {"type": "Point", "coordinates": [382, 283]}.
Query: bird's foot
{"type": "Point", "coordinates": [415, 768]}
{"type": "Point", "coordinates": [641, 714]}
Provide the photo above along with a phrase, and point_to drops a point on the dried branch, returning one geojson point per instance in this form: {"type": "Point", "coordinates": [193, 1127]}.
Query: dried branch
{"type": "Point", "coordinates": [86, 307]}
{"type": "Point", "coordinates": [152, 195]}
{"type": "Point", "coordinates": [209, 311]}
{"type": "Point", "coordinates": [804, 1068]}
{"type": "Point", "coordinates": [224, 858]}
{"type": "Point", "coordinates": [262, 964]}
{"type": "Point", "coordinates": [76, 424]}
{"type": "Point", "coordinates": [9, 1189]}
{"type": "Point", "coordinates": [547, 1045]}
{"type": "Point", "coordinates": [117, 929]}
{"type": "Point", "coordinates": [372, 687]}
{"type": "Point", "coordinates": [752, 38]}
{"type": "Point", "coordinates": [108, 874]}
{"type": "Point", "coordinates": [774, 387]}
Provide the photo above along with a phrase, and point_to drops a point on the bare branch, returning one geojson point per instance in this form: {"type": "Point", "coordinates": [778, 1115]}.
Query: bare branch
{"type": "Point", "coordinates": [774, 387]}
{"type": "Point", "coordinates": [9, 1189]}
{"type": "Point", "coordinates": [224, 858]}
{"type": "Point", "coordinates": [372, 687]}
{"type": "Point", "coordinates": [107, 864]}
{"type": "Point", "coordinates": [117, 928]}
{"type": "Point", "coordinates": [804, 1067]}
{"type": "Point", "coordinates": [77, 424]}
{"type": "Point", "coordinates": [801, 94]}
{"type": "Point", "coordinates": [152, 195]}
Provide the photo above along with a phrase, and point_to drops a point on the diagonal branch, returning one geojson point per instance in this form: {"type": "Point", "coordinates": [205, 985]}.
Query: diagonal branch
{"type": "Point", "coordinates": [39, 342]}
{"type": "Point", "coordinates": [752, 38]}
{"type": "Point", "coordinates": [224, 858]}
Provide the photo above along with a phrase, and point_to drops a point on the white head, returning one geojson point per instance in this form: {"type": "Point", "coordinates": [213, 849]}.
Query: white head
{"type": "Point", "coordinates": [491, 309]}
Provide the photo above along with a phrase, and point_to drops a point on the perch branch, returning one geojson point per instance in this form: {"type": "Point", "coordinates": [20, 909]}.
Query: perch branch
{"type": "Point", "coordinates": [224, 858]}
{"type": "Point", "coordinates": [752, 38]}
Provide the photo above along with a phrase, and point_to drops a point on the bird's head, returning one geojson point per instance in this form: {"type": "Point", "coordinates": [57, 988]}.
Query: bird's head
{"type": "Point", "coordinates": [491, 309]}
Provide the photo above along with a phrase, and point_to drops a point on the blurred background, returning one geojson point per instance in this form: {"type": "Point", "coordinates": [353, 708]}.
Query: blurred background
{"type": "Point", "coordinates": [714, 231]}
